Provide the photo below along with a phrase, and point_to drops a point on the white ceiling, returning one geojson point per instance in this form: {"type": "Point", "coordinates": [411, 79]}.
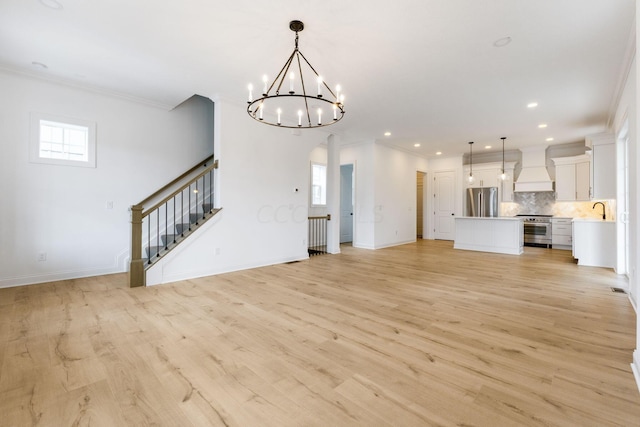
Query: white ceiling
{"type": "Point", "coordinates": [425, 70]}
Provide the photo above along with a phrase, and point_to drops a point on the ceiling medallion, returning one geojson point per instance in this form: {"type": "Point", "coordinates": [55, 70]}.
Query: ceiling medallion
{"type": "Point", "coordinates": [297, 107]}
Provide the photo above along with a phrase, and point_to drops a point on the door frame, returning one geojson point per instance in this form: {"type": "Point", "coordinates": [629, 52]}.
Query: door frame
{"type": "Point", "coordinates": [353, 199]}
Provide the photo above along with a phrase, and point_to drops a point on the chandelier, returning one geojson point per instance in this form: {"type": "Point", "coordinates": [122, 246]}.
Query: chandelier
{"type": "Point", "coordinates": [301, 105]}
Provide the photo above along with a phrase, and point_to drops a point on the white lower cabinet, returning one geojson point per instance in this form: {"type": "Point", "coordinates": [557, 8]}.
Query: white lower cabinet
{"type": "Point", "coordinates": [561, 233]}
{"type": "Point", "coordinates": [594, 242]}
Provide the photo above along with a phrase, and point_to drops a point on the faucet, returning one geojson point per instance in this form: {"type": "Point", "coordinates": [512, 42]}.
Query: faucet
{"type": "Point", "coordinates": [604, 216]}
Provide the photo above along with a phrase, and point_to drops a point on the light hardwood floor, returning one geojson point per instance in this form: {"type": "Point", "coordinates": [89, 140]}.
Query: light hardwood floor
{"type": "Point", "coordinates": [415, 335]}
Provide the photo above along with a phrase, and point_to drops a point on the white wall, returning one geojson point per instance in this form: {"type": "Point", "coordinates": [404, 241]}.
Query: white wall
{"type": "Point", "coordinates": [385, 194]}
{"type": "Point", "coordinates": [61, 210]}
{"type": "Point", "coordinates": [361, 156]}
{"type": "Point", "coordinates": [395, 195]}
{"type": "Point", "coordinates": [318, 155]}
{"type": "Point", "coordinates": [634, 193]}
{"type": "Point", "coordinates": [263, 220]}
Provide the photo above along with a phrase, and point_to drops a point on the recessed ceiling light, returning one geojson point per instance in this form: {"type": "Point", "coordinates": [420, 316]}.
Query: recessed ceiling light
{"type": "Point", "coordinates": [532, 105]}
{"type": "Point", "coordinates": [549, 139]}
{"type": "Point", "coordinates": [487, 147]}
{"type": "Point", "coordinates": [51, 4]}
{"type": "Point", "coordinates": [502, 42]}
{"type": "Point", "coordinates": [438, 153]}
{"type": "Point", "coordinates": [416, 145]}
{"type": "Point", "coordinates": [40, 65]}
{"type": "Point", "coordinates": [387, 134]}
{"type": "Point", "coordinates": [542, 125]}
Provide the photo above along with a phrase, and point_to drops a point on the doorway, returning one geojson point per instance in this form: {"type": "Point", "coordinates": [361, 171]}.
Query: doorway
{"type": "Point", "coordinates": [346, 203]}
{"type": "Point", "coordinates": [420, 179]}
{"type": "Point", "coordinates": [622, 203]}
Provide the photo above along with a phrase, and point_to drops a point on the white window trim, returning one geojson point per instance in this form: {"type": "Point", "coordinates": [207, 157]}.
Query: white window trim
{"type": "Point", "coordinates": [311, 184]}
{"type": "Point", "coordinates": [34, 140]}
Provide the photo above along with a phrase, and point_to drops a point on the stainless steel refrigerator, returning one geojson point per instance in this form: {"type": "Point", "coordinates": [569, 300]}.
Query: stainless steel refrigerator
{"type": "Point", "coordinates": [482, 201]}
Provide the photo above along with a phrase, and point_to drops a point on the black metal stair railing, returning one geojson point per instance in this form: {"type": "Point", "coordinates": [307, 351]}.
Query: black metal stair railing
{"type": "Point", "coordinates": [317, 241]}
{"type": "Point", "coordinates": [157, 229]}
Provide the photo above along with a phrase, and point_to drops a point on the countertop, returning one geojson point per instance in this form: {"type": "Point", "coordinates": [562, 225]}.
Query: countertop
{"type": "Point", "coordinates": [491, 218]}
{"type": "Point", "coordinates": [592, 220]}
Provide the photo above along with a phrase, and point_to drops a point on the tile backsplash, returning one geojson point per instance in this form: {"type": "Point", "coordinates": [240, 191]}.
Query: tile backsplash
{"type": "Point", "coordinates": [544, 203]}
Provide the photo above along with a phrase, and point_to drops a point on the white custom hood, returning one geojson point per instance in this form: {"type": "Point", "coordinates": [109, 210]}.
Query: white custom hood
{"type": "Point", "coordinates": [534, 176]}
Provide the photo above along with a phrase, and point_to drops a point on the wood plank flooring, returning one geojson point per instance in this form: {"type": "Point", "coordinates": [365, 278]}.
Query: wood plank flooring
{"type": "Point", "coordinates": [415, 335]}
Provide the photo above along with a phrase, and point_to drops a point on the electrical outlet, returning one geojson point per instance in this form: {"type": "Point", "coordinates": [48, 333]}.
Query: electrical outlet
{"type": "Point", "coordinates": [42, 256]}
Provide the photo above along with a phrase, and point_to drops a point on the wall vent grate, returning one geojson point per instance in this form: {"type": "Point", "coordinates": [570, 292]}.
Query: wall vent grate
{"type": "Point", "coordinates": [618, 290]}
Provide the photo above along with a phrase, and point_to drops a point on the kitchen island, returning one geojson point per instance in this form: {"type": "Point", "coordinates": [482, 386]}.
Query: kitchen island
{"type": "Point", "coordinates": [504, 235]}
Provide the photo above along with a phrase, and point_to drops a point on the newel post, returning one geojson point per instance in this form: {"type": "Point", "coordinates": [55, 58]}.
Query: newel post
{"type": "Point", "coordinates": [136, 266]}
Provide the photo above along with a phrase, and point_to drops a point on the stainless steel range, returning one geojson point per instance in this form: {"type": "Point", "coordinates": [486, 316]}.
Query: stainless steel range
{"type": "Point", "coordinates": [537, 230]}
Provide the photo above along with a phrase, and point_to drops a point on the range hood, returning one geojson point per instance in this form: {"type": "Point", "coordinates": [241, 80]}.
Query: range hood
{"type": "Point", "coordinates": [534, 176]}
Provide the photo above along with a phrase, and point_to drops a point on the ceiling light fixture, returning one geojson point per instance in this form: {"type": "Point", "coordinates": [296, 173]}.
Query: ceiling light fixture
{"type": "Point", "coordinates": [503, 176]}
{"type": "Point", "coordinates": [416, 145]}
{"type": "Point", "coordinates": [532, 105]}
{"type": "Point", "coordinates": [297, 107]}
{"type": "Point", "coordinates": [487, 147]}
{"type": "Point", "coordinates": [40, 65]}
{"type": "Point", "coordinates": [387, 134]}
{"type": "Point", "coordinates": [470, 177]}
{"type": "Point", "coordinates": [549, 139]}
{"type": "Point", "coordinates": [502, 42]}
{"type": "Point", "coordinates": [51, 4]}
{"type": "Point", "coordinates": [438, 153]}
{"type": "Point", "coordinates": [542, 125]}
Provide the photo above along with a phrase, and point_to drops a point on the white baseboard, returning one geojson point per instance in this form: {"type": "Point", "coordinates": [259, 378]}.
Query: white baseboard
{"type": "Point", "coordinates": [57, 276]}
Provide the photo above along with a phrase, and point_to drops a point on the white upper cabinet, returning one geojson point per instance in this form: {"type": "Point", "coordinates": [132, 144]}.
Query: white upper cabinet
{"type": "Point", "coordinates": [488, 175]}
{"type": "Point", "coordinates": [603, 166]}
{"type": "Point", "coordinates": [484, 175]}
{"type": "Point", "coordinates": [573, 178]}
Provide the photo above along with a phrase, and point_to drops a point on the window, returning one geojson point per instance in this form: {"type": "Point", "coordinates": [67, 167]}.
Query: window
{"type": "Point", "coordinates": [62, 141]}
{"type": "Point", "coordinates": [318, 184]}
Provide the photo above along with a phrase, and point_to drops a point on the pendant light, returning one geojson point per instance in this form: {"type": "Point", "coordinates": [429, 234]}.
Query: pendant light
{"type": "Point", "coordinates": [470, 178]}
{"type": "Point", "coordinates": [503, 176]}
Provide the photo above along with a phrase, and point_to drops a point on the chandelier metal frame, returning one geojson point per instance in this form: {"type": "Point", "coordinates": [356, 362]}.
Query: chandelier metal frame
{"type": "Point", "coordinates": [256, 107]}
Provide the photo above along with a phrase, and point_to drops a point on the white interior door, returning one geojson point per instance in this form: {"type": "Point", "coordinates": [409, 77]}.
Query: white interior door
{"type": "Point", "coordinates": [346, 203]}
{"type": "Point", "coordinates": [444, 205]}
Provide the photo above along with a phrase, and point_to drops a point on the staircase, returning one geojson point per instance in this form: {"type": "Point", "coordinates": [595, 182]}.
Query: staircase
{"type": "Point", "coordinates": [169, 216]}
{"type": "Point", "coordinates": [180, 232]}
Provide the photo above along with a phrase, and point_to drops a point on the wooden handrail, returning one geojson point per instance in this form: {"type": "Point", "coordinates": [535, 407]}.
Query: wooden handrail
{"type": "Point", "coordinates": [327, 217]}
{"type": "Point", "coordinates": [178, 179]}
{"type": "Point", "coordinates": [170, 196]}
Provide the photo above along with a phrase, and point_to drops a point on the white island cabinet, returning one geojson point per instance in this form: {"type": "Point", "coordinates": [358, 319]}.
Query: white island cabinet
{"type": "Point", "coordinates": [504, 235]}
{"type": "Point", "coordinates": [594, 242]}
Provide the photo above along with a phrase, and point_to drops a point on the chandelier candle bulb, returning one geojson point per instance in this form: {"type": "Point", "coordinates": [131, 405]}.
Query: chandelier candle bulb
{"type": "Point", "coordinates": [338, 93]}
{"type": "Point", "coordinates": [279, 112]}
{"type": "Point", "coordinates": [250, 93]}
{"type": "Point", "coordinates": [319, 87]}
{"type": "Point", "coordinates": [319, 116]}
{"type": "Point", "coordinates": [291, 77]}
{"type": "Point", "coordinates": [261, 109]}
{"type": "Point", "coordinates": [299, 117]}
{"type": "Point", "coordinates": [265, 80]}
{"type": "Point", "coordinates": [335, 112]}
